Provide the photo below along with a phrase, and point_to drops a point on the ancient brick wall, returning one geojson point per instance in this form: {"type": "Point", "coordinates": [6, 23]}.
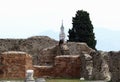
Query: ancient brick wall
{"type": "Point", "coordinates": [67, 66]}
{"type": "Point", "coordinates": [43, 71]}
{"type": "Point", "coordinates": [14, 64]}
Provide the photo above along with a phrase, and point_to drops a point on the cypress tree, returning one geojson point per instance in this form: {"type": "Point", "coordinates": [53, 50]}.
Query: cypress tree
{"type": "Point", "coordinates": [82, 30]}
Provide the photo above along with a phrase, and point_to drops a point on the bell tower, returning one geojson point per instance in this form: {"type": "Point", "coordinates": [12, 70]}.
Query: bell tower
{"type": "Point", "coordinates": [62, 34]}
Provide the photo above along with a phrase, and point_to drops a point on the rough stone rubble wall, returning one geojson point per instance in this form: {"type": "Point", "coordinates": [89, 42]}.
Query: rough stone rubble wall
{"type": "Point", "coordinates": [103, 64]}
{"type": "Point", "coordinates": [106, 66]}
{"type": "Point", "coordinates": [114, 65]}
{"type": "Point", "coordinates": [31, 45]}
{"type": "Point", "coordinates": [47, 55]}
{"type": "Point", "coordinates": [42, 48]}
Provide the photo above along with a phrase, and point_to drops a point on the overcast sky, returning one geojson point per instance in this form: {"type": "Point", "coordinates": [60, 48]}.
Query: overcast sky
{"type": "Point", "coordinates": [25, 18]}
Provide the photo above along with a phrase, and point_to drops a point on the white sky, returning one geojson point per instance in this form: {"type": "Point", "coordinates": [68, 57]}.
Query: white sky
{"type": "Point", "coordinates": [25, 18]}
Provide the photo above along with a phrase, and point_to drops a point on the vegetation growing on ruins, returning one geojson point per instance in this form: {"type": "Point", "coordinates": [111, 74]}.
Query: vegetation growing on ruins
{"type": "Point", "coordinates": [82, 30]}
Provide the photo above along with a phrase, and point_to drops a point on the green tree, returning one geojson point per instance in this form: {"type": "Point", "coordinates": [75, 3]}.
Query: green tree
{"type": "Point", "coordinates": [82, 30]}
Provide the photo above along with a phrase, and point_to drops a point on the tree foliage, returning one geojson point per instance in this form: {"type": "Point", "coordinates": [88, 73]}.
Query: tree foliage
{"type": "Point", "coordinates": [82, 30]}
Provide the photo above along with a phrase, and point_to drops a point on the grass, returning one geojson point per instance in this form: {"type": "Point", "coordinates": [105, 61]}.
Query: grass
{"type": "Point", "coordinates": [48, 80]}
{"type": "Point", "coordinates": [63, 80]}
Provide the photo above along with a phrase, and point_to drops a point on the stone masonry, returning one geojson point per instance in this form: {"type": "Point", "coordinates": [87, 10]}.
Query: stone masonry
{"type": "Point", "coordinates": [32, 45]}
{"type": "Point", "coordinates": [95, 65]}
{"type": "Point", "coordinates": [14, 64]}
{"type": "Point", "coordinates": [66, 66]}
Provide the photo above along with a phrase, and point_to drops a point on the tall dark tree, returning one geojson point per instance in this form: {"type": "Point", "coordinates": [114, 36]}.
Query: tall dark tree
{"type": "Point", "coordinates": [82, 30]}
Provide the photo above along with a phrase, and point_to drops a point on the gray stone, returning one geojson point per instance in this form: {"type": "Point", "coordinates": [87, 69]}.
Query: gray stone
{"type": "Point", "coordinates": [30, 81]}
{"type": "Point", "coordinates": [40, 80]}
{"type": "Point", "coordinates": [29, 76]}
{"type": "Point", "coordinates": [101, 66]}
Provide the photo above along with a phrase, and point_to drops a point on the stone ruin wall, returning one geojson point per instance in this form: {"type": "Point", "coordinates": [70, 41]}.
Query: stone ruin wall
{"type": "Point", "coordinates": [42, 48]}
{"type": "Point", "coordinates": [47, 55]}
{"type": "Point", "coordinates": [66, 66]}
{"type": "Point", "coordinates": [101, 65]}
{"type": "Point", "coordinates": [14, 64]}
{"type": "Point", "coordinates": [32, 45]}
{"type": "Point", "coordinates": [104, 65]}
